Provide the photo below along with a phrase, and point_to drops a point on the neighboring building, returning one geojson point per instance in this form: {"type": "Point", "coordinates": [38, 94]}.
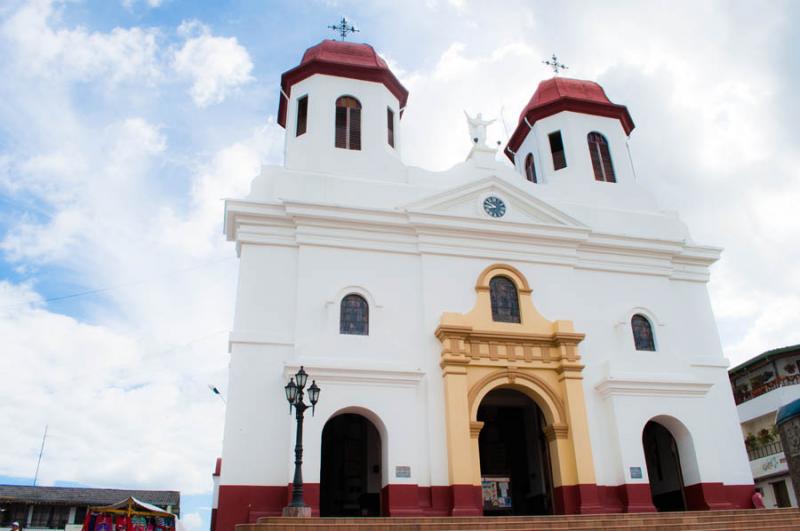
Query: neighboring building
{"type": "Point", "coordinates": [65, 507]}
{"type": "Point", "coordinates": [760, 387]}
{"type": "Point", "coordinates": [532, 338]}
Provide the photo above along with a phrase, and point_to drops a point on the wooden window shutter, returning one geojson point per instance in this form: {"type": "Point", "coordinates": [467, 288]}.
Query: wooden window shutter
{"type": "Point", "coordinates": [348, 123]}
{"type": "Point", "coordinates": [341, 127]}
{"type": "Point", "coordinates": [355, 129]}
{"type": "Point", "coordinates": [601, 158]}
{"type": "Point", "coordinates": [302, 115]}
{"type": "Point", "coordinates": [530, 168]}
{"type": "Point", "coordinates": [390, 126]}
{"type": "Point", "coordinates": [608, 168]}
{"type": "Point", "coordinates": [594, 153]}
{"type": "Point", "coordinates": [557, 150]}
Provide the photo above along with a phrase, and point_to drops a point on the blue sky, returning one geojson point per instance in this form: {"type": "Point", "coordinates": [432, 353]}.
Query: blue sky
{"type": "Point", "coordinates": [124, 123]}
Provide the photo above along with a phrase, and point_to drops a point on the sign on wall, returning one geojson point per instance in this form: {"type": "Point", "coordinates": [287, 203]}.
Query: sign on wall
{"type": "Point", "coordinates": [496, 492]}
{"type": "Point", "coordinates": [402, 471]}
{"type": "Point", "coordinates": [636, 472]}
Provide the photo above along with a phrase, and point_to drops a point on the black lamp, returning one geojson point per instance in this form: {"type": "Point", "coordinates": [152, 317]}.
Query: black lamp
{"type": "Point", "coordinates": [302, 377]}
{"type": "Point", "coordinates": [313, 395]}
{"type": "Point", "coordinates": [291, 393]}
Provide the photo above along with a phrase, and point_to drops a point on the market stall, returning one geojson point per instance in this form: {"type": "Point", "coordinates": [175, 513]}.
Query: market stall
{"type": "Point", "coordinates": [129, 515]}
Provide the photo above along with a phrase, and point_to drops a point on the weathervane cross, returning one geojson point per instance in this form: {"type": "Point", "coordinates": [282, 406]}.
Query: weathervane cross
{"type": "Point", "coordinates": [555, 65]}
{"type": "Point", "coordinates": [343, 28]}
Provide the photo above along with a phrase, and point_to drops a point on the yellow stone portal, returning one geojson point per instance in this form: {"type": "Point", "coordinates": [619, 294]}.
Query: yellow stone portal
{"type": "Point", "coordinates": [536, 357]}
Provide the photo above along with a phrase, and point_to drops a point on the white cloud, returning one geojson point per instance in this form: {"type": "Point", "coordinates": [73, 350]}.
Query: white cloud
{"type": "Point", "coordinates": [47, 51]}
{"type": "Point", "coordinates": [215, 65]}
{"type": "Point", "coordinates": [129, 4]}
{"type": "Point", "coordinates": [192, 521]}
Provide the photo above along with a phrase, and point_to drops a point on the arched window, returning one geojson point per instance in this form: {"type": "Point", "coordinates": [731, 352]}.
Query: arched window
{"type": "Point", "coordinates": [601, 158]}
{"type": "Point", "coordinates": [504, 299]}
{"type": "Point", "coordinates": [530, 170]}
{"type": "Point", "coordinates": [348, 123]}
{"type": "Point", "coordinates": [354, 315]}
{"type": "Point", "coordinates": [642, 333]}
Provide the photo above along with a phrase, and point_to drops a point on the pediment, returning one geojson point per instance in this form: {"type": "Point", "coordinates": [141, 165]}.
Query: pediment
{"type": "Point", "coordinates": [466, 201]}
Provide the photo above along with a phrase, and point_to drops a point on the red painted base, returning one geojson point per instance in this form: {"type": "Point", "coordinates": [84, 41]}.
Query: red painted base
{"type": "Point", "coordinates": [246, 503]}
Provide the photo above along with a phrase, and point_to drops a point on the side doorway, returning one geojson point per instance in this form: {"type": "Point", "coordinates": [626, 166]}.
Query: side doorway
{"type": "Point", "coordinates": [663, 468]}
{"type": "Point", "coordinates": [350, 471]}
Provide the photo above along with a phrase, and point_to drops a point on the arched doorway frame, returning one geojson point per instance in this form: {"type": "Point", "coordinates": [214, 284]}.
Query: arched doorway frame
{"type": "Point", "coordinates": [687, 455]}
{"type": "Point", "coordinates": [380, 428]}
{"type": "Point", "coordinates": [535, 356]}
{"type": "Point", "coordinates": [560, 449]}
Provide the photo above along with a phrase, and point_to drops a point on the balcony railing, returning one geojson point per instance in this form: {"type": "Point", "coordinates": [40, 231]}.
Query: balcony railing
{"type": "Point", "coordinates": [764, 450]}
{"type": "Point", "coordinates": [748, 394]}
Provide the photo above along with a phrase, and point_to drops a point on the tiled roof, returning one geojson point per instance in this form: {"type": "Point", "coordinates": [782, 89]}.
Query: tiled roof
{"type": "Point", "coordinates": [86, 496]}
{"type": "Point", "coordinates": [764, 356]}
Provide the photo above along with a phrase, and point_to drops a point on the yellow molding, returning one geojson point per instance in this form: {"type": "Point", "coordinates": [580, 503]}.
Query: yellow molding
{"type": "Point", "coordinates": [536, 357]}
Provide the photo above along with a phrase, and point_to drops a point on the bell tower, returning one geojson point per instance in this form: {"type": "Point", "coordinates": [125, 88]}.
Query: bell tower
{"type": "Point", "coordinates": [570, 133]}
{"type": "Point", "coordinates": [341, 108]}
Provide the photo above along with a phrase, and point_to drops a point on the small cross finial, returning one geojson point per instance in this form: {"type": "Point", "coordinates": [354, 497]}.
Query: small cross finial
{"type": "Point", "coordinates": [555, 65]}
{"type": "Point", "coordinates": [343, 28]}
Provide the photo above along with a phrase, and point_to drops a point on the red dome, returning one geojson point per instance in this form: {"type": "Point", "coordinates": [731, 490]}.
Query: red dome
{"type": "Point", "coordinates": [563, 94]}
{"type": "Point", "coordinates": [344, 53]}
{"type": "Point", "coordinates": [343, 59]}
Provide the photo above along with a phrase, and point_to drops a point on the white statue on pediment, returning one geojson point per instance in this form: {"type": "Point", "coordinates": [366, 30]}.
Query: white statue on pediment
{"type": "Point", "coordinates": [477, 128]}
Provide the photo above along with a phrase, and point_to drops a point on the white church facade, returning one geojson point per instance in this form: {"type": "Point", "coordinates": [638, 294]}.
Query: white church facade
{"type": "Point", "coordinates": [534, 338]}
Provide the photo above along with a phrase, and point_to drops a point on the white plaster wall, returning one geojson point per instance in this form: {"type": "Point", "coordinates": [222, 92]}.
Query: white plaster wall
{"type": "Point", "coordinates": [769, 402]}
{"type": "Point", "coordinates": [316, 151]}
{"type": "Point", "coordinates": [574, 129]}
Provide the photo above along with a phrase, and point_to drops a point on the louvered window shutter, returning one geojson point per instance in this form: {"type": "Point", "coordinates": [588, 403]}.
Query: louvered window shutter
{"type": "Point", "coordinates": [341, 127]}
{"type": "Point", "coordinates": [530, 168]}
{"type": "Point", "coordinates": [355, 128]}
{"type": "Point", "coordinates": [302, 115]}
{"type": "Point", "coordinates": [390, 126]}
{"type": "Point", "coordinates": [594, 153]}
{"type": "Point", "coordinates": [608, 168]}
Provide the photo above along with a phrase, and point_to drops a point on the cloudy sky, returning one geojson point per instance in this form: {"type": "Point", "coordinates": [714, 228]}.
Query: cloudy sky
{"type": "Point", "coordinates": [123, 124]}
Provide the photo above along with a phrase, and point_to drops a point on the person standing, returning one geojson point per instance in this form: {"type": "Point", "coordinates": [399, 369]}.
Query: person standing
{"type": "Point", "coordinates": [758, 499]}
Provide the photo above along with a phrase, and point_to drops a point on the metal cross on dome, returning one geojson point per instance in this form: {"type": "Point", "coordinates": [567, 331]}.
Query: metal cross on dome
{"type": "Point", "coordinates": [343, 28]}
{"type": "Point", "coordinates": [555, 65]}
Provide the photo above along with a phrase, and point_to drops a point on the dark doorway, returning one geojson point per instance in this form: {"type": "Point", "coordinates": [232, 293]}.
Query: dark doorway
{"type": "Point", "coordinates": [515, 463]}
{"type": "Point", "coordinates": [663, 468]}
{"type": "Point", "coordinates": [781, 494]}
{"type": "Point", "coordinates": [350, 471]}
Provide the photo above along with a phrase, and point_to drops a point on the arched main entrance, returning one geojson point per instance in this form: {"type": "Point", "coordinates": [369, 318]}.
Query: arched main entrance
{"type": "Point", "coordinates": [515, 465]}
{"type": "Point", "coordinates": [350, 469]}
{"type": "Point", "coordinates": [663, 468]}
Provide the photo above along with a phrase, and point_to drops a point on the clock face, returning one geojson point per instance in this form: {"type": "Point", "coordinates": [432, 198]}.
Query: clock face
{"type": "Point", "coordinates": [494, 206]}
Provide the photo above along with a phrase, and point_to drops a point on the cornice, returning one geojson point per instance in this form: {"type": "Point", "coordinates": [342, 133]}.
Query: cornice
{"type": "Point", "coordinates": [649, 385]}
{"type": "Point", "coordinates": [381, 375]}
{"type": "Point", "coordinates": [413, 232]}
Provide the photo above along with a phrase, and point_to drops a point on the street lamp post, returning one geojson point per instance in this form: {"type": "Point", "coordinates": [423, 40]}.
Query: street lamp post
{"type": "Point", "coordinates": [294, 395]}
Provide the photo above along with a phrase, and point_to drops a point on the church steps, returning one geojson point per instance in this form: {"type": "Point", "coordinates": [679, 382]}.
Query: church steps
{"type": "Point", "coordinates": [779, 519]}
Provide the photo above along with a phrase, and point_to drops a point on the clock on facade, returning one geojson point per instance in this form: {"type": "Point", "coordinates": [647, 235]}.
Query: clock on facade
{"type": "Point", "coordinates": [494, 206]}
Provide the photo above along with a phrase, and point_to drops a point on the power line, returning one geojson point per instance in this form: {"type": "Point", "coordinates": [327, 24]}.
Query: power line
{"type": "Point", "coordinates": [119, 286]}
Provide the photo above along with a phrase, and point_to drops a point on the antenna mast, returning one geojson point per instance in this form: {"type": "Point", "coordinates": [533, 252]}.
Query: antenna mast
{"type": "Point", "coordinates": [41, 451]}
